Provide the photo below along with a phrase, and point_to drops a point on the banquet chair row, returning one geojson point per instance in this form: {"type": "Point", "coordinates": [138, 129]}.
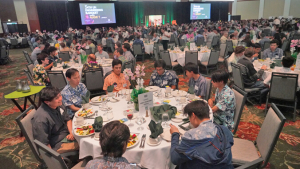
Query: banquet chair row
{"type": "Point", "coordinates": [165, 56]}
{"type": "Point", "coordinates": [27, 57]}
{"type": "Point", "coordinates": [4, 55]}
{"type": "Point", "coordinates": [137, 51]}
{"type": "Point", "coordinates": [212, 62]}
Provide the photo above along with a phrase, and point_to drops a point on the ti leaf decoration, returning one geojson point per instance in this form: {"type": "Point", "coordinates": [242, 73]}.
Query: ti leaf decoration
{"type": "Point", "coordinates": [54, 64]}
{"type": "Point", "coordinates": [155, 129]}
{"type": "Point", "coordinates": [98, 122]}
{"type": "Point", "coordinates": [110, 88]}
{"type": "Point", "coordinates": [191, 90]}
{"type": "Point", "coordinates": [86, 98]}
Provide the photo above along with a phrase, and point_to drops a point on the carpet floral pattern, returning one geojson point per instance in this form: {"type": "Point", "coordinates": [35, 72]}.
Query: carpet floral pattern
{"type": "Point", "coordinates": [15, 152]}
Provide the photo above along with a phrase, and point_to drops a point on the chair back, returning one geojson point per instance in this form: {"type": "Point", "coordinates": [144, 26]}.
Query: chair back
{"type": "Point", "coordinates": [155, 53]}
{"type": "Point", "coordinates": [99, 41]}
{"type": "Point", "coordinates": [269, 133]}
{"type": "Point", "coordinates": [137, 49]}
{"type": "Point", "coordinates": [57, 79]}
{"type": "Point", "coordinates": [24, 122]}
{"type": "Point", "coordinates": [229, 45]}
{"type": "Point", "coordinates": [177, 79]}
{"type": "Point", "coordinates": [24, 41]}
{"type": "Point", "coordinates": [172, 38]}
{"type": "Point", "coordinates": [29, 77]}
{"type": "Point", "coordinates": [208, 89]}
{"type": "Point", "coordinates": [176, 41]}
{"type": "Point", "coordinates": [52, 158]}
{"type": "Point", "coordinates": [213, 58]}
{"type": "Point", "coordinates": [3, 53]}
{"type": "Point", "coordinates": [266, 45]}
{"type": "Point", "coordinates": [237, 76]}
{"type": "Point", "coordinates": [240, 100]}
{"type": "Point", "coordinates": [267, 32]}
{"type": "Point", "coordinates": [200, 41]}
{"type": "Point", "coordinates": [31, 47]}
{"type": "Point", "coordinates": [94, 80]}
{"type": "Point", "coordinates": [14, 42]}
{"type": "Point", "coordinates": [285, 45]}
{"type": "Point", "coordinates": [107, 74]}
{"type": "Point", "coordinates": [160, 47]}
{"type": "Point", "coordinates": [222, 50]}
{"type": "Point", "coordinates": [165, 56]}
{"type": "Point", "coordinates": [88, 51]}
{"type": "Point", "coordinates": [182, 42]}
{"type": "Point", "coordinates": [30, 68]}
{"type": "Point", "coordinates": [128, 65]}
{"type": "Point", "coordinates": [65, 56]}
{"type": "Point", "coordinates": [215, 41]}
{"type": "Point", "coordinates": [191, 56]}
{"type": "Point", "coordinates": [170, 45]}
{"type": "Point", "coordinates": [27, 57]}
{"type": "Point", "coordinates": [279, 89]}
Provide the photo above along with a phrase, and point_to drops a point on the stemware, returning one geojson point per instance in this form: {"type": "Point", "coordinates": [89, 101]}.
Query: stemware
{"type": "Point", "coordinates": [130, 116]}
{"type": "Point", "coordinates": [140, 121]}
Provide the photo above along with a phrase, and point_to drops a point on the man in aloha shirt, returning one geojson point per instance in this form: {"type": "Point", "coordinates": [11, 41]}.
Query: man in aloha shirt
{"type": "Point", "coordinates": [73, 91]}
{"type": "Point", "coordinates": [162, 77]}
{"type": "Point", "coordinates": [223, 105]}
{"type": "Point", "coordinates": [39, 73]}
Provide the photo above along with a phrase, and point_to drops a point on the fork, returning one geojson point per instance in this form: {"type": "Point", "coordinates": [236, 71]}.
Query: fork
{"type": "Point", "coordinates": [142, 140]}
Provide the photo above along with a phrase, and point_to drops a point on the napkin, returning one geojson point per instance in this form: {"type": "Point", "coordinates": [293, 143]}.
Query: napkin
{"type": "Point", "coordinates": [58, 61]}
{"type": "Point", "coordinates": [157, 111]}
{"type": "Point", "coordinates": [191, 90]}
{"type": "Point", "coordinates": [155, 129]}
{"type": "Point", "coordinates": [98, 122]}
{"type": "Point", "coordinates": [110, 88]}
{"type": "Point", "coordinates": [86, 98]}
{"type": "Point", "coordinates": [65, 66]}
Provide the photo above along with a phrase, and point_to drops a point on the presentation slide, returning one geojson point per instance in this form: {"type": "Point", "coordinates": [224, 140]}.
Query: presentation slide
{"type": "Point", "coordinates": [155, 20]}
{"type": "Point", "coordinates": [97, 13]}
{"type": "Point", "coordinates": [200, 11]}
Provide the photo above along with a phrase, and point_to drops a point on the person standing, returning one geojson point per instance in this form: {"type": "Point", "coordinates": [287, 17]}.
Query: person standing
{"type": "Point", "coordinates": [165, 38]}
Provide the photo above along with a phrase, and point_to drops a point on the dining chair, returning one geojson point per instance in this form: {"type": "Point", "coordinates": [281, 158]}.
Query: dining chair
{"type": "Point", "coordinates": [27, 57]}
{"type": "Point", "coordinates": [4, 58]}
{"type": "Point", "coordinates": [172, 38]}
{"type": "Point", "coordinates": [215, 42]}
{"type": "Point", "coordinates": [280, 94]}
{"type": "Point", "coordinates": [137, 50]}
{"type": "Point", "coordinates": [170, 45]}
{"type": "Point", "coordinates": [88, 51]}
{"type": "Point", "coordinates": [165, 56]}
{"type": "Point", "coordinates": [212, 62]}
{"type": "Point", "coordinates": [14, 42]}
{"type": "Point", "coordinates": [128, 65]}
{"type": "Point", "coordinates": [245, 151]}
{"type": "Point", "coordinates": [284, 46]}
{"type": "Point", "coordinates": [200, 41]}
{"type": "Point", "coordinates": [176, 42]}
{"type": "Point", "coordinates": [266, 45]}
{"type": "Point", "coordinates": [156, 56]}
{"type": "Point", "coordinates": [240, 100]}
{"type": "Point", "coordinates": [24, 42]}
{"type": "Point", "coordinates": [208, 88]}
{"type": "Point", "coordinates": [182, 42]}
{"type": "Point", "coordinates": [94, 82]}
{"type": "Point", "coordinates": [57, 79]}
{"type": "Point", "coordinates": [252, 165]}
{"type": "Point", "coordinates": [65, 56]}
{"type": "Point", "coordinates": [30, 68]}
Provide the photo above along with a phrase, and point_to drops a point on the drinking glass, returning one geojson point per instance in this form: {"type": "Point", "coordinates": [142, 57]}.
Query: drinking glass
{"type": "Point", "coordinates": [139, 121]}
{"type": "Point", "coordinates": [130, 116]}
{"type": "Point", "coordinates": [165, 119]}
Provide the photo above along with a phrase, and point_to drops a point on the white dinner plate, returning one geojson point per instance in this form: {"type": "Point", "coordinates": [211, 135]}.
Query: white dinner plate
{"type": "Point", "coordinates": [113, 100]}
{"type": "Point", "coordinates": [97, 99]}
{"type": "Point", "coordinates": [76, 114]}
{"type": "Point", "coordinates": [152, 88]}
{"type": "Point", "coordinates": [166, 135]}
{"type": "Point", "coordinates": [179, 93]}
{"type": "Point", "coordinates": [105, 118]}
{"type": "Point", "coordinates": [82, 135]}
{"type": "Point", "coordinates": [136, 143]}
{"type": "Point", "coordinates": [176, 120]}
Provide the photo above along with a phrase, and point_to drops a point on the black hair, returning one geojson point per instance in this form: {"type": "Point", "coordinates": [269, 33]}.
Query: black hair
{"type": "Point", "coordinates": [113, 136]}
{"type": "Point", "coordinates": [274, 41]}
{"type": "Point", "coordinates": [160, 63]}
{"type": "Point", "coordinates": [71, 72]}
{"type": "Point", "coordinates": [118, 44]}
{"type": "Point", "coordinates": [49, 93]}
{"type": "Point", "coordinates": [262, 35]}
{"type": "Point", "coordinates": [37, 39]}
{"type": "Point", "coordinates": [220, 76]}
{"type": "Point", "coordinates": [191, 67]}
{"type": "Point", "coordinates": [116, 62]}
{"type": "Point", "coordinates": [198, 107]}
{"type": "Point", "coordinates": [127, 46]}
{"type": "Point", "coordinates": [288, 61]}
{"type": "Point", "coordinates": [41, 57]}
{"type": "Point", "coordinates": [120, 50]}
{"type": "Point", "coordinates": [231, 36]}
{"type": "Point", "coordinates": [52, 49]}
{"type": "Point", "coordinates": [257, 45]}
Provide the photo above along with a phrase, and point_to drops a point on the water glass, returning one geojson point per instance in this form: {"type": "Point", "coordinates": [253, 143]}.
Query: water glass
{"type": "Point", "coordinates": [139, 121]}
{"type": "Point", "coordinates": [165, 119]}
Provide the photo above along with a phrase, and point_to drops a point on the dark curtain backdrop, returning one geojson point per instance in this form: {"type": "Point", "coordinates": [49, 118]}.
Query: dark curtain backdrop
{"type": "Point", "coordinates": [53, 14]}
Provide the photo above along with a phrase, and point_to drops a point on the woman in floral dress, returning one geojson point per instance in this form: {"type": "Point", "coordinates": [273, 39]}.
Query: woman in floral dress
{"type": "Point", "coordinates": [39, 72]}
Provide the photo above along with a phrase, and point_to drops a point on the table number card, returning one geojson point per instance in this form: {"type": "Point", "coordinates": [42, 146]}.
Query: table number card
{"type": "Point", "coordinates": [145, 101]}
{"type": "Point", "coordinates": [192, 46]}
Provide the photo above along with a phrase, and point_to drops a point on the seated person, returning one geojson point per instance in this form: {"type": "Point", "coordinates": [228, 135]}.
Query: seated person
{"type": "Point", "coordinates": [235, 56]}
{"type": "Point", "coordinates": [247, 40]}
{"type": "Point", "coordinates": [273, 52]}
{"type": "Point", "coordinates": [116, 78]}
{"type": "Point", "coordinates": [91, 65]}
{"type": "Point", "coordinates": [127, 53]}
{"type": "Point", "coordinates": [139, 41]}
{"type": "Point", "coordinates": [113, 140]}
{"type": "Point", "coordinates": [223, 105]}
{"type": "Point", "coordinates": [39, 72]}
{"type": "Point", "coordinates": [118, 45]}
{"type": "Point", "coordinates": [119, 55]}
{"type": "Point", "coordinates": [251, 80]}
{"type": "Point", "coordinates": [162, 77]}
{"type": "Point", "coordinates": [200, 147]}
{"type": "Point", "coordinates": [196, 82]}
{"type": "Point", "coordinates": [233, 39]}
{"type": "Point", "coordinates": [36, 51]}
{"type": "Point", "coordinates": [263, 39]}
{"type": "Point", "coordinates": [64, 48]}
{"type": "Point", "coordinates": [73, 91]}
{"type": "Point", "coordinates": [51, 123]}
{"type": "Point", "coordinates": [91, 45]}
{"type": "Point", "coordinates": [52, 55]}
{"type": "Point", "coordinates": [155, 38]}
{"type": "Point", "coordinates": [36, 43]}
{"type": "Point", "coordinates": [257, 49]}
{"type": "Point", "coordinates": [287, 63]}
{"type": "Point", "coordinates": [101, 53]}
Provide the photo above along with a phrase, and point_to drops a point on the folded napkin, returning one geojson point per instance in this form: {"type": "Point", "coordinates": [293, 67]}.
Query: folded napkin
{"type": "Point", "coordinates": [191, 90]}
{"type": "Point", "coordinates": [98, 122]}
{"type": "Point", "coordinates": [155, 129]}
{"type": "Point", "coordinates": [86, 98]}
{"type": "Point", "coordinates": [59, 61]}
{"type": "Point", "coordinates": [65, 66]}
{"type": "Point", "coordinates": [110, 88]}
{"type": "Point", "coordinates": [157, 111]}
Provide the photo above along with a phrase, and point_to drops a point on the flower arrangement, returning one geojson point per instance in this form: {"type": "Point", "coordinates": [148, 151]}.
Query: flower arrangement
{"type": "Point", "coordinates": [139, 72]}
{"type": "Point", "coordinates": [295, 46]}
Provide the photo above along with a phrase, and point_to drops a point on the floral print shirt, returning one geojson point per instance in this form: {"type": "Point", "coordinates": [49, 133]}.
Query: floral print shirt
{"type": "Point", "coordinates": [110, 163]}
{"type": "Point", "coordinates": [166, 79]}
{"type": "Point", "coordinates": [39, 75]}
{"type": "Point", "coordinates": [225, 101]}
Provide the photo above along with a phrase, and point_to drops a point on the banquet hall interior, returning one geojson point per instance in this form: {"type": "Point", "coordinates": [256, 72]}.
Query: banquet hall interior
{"type": "Point", "coordinates": [156, 84]}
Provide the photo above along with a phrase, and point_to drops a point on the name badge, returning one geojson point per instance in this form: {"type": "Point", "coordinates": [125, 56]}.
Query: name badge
{"type": "Point", "coordinates": [196, 88]}
{"type": "Point", "coordinates": [165, 82]}
{"type": "Point", "coordinates": [74, 100]}
{"type": "Point", "coordinates": [61, 111]}
{"type": "Point", "coordinates": [125, 85]}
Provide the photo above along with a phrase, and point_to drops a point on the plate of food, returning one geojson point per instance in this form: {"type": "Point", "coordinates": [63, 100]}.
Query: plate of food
{"type": "Point", "coordinates": [133, 141]}
{"type": "Point", "coordinates": [98, 99]}
{"type": "Point", "coordinates": [85, 130]}
{"type": "Point", "coordinates": [152, 88]}
{"type": "Point", "coordinates": [177, 93]}
{"type": "Point", "coordinates": [84, 113]}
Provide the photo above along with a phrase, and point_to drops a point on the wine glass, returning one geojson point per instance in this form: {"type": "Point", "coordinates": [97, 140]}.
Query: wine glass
{"type": "Point", "coordinates": [165, 119]}
{"type": "Point", "coordinates": [139, 121]}
{"type": "Point", "coordinates": [130, 116]}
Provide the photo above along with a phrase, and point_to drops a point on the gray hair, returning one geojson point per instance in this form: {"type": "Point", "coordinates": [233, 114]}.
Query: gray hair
{"type": "Point", "coordinates": [41, 45]}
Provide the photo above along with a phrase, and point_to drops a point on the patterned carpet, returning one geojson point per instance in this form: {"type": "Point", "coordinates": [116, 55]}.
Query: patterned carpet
{"type": "Point", "coordinates": [15, 152]}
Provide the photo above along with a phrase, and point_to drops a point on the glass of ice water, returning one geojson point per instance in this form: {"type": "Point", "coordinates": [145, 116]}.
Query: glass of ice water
{"type": "Point", "coordinates": [165, 119]}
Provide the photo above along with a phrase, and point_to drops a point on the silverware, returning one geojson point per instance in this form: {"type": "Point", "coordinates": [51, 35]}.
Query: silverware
{"type": "Point", "coordinates": [142, 140]}
{"type": "Point", "coordinates": [96, 113]}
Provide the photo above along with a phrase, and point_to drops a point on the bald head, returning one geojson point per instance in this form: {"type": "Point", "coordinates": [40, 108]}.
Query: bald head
{"type": "Point", "coordinates": [92, 57]}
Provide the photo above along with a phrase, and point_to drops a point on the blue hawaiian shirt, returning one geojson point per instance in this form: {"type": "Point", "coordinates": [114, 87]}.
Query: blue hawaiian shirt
{"type": "Point", "coordinates": [72, 96]}
{"type": "Point", "coordinates": [199, 86]}
{"type": "Point", "coordinates": [138, 41]}
{"type": "Point", "coordinates": [166, 79]}
{"type": "Point", "coordinates": [225, 101]}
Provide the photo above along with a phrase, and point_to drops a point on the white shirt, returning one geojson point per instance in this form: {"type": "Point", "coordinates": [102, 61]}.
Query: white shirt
{"type": "Point", "coordinates": [281, 70]}
{"type": "Point", "coordinates": [164, 37]}
{"type": "Point", "coordinates": [103, 41]}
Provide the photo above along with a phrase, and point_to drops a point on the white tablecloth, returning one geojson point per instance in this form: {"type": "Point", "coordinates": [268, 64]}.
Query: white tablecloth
{"type": "Point", "coordinates": [180, 57]}
{"type": "Point", "coordinates": [149, 48]}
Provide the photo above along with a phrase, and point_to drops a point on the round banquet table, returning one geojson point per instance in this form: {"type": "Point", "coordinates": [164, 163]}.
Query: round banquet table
{"type": "Point", "coordinates": [148, 47]}
{"type": "Point", "coordinates": [180, 56]}
{"type": "Point", "coordinates": [151, 157]}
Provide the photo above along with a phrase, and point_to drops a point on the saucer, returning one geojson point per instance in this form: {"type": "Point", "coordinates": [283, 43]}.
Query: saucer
{"type": "Point", "coordinates": [158, 143]}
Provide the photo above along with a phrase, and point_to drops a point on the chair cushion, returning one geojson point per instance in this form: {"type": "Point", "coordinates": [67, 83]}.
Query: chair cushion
{"type": "Point", "coordinates": [174, 64]}
{"type": "Point", "coordinates": [243, 151]}
{"type": "Point", "coordinates": [204, 63]}
{"type": "Point", "coordinates": [251, 89]}
{"type": "Point", "coordinates": [221, 59]}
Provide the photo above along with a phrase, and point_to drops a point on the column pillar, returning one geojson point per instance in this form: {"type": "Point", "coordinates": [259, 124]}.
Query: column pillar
{"type": "Point", "coordinates": [234, 4]}
{"type": "Point", "coordinates": [286, 9]}
{"type": "Point", "coordinates": [261, 9]}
